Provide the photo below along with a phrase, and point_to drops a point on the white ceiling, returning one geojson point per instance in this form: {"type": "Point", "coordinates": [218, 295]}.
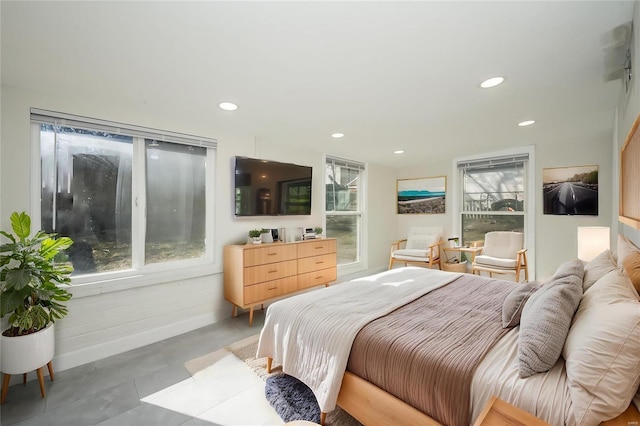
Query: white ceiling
{"type": "Point", "coordinates": [390, 75]}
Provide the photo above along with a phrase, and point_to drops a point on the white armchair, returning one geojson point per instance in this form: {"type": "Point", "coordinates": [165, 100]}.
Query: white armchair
{"type": "Point", "coordinates": [502, 253]}
{"type": "Point", "coordinates": [421, 247]}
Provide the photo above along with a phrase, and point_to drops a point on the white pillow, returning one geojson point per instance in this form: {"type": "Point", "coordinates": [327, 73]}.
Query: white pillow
{"type": "Point", "coordinates": [597, 267]}
{"type": "Point", "coordinates": [602, 350]}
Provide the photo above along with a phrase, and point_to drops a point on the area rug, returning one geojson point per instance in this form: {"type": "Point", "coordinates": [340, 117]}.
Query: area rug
{"type": "Point", "coordinates": [246, 351]}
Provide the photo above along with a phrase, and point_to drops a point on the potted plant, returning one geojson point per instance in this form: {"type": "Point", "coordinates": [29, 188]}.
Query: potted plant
{"type": "Point", "coordinates": [318, 231]}
{"type": "Point", "coordinates": [31, 275]}
{"type": "Point", "coordinates": [255, 234]}
{"type": "Point", "coordinates": [265, 235]}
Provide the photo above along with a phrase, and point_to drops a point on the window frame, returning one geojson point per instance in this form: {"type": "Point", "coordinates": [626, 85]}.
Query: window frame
{"type": "Point", "coordinates": [360, 214]}
{"type": "Point", "coordinates": [529, 201]}
{"type": "Point", "coordinates": [139, 274]}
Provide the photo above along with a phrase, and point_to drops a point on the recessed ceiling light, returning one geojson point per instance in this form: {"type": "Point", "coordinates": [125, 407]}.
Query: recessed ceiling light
{"type": "Point", "coordinates": [337, 135]}
{"type": "Point", "coordinates": [400, 151]}
{"type": "Point", "coordinates": [526, 123]}
{"type": "Point", "coordinates": [492, 82]}
{"type": "Point", "coordinates": [228, 106]}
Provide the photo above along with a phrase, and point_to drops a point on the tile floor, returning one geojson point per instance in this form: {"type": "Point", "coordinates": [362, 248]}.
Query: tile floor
{"type": "Point", "coordinates": [150, 386]}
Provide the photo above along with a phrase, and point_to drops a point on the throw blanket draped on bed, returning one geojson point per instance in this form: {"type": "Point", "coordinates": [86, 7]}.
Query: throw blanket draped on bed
{"type": "Point", "coordinates": [311, 334]}
{"type": "Point", "coordinates": [425, 353]}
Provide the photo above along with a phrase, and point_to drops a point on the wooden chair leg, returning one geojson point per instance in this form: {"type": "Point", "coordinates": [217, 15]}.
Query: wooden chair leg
{"type": "Point", "coordinates": [269, 361]}
{"type": "Point", "coordinates": [5, 388]}
{"type": "Point", "coordinates": [323, 417]}
{"type": "Point", "coordinates": [50, 367]}
{"type": "Point", "coordinates": [41, 381]}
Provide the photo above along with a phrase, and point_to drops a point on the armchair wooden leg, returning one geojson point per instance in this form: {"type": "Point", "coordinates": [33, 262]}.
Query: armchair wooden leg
{"type": "Point", "coordinates": [323, 418]}
{"type": "Point", "coordinates": [269, 361]}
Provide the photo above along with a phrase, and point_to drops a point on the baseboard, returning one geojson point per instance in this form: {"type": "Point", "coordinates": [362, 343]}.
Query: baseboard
{"type": "Point", "coordinates": [133, 341]}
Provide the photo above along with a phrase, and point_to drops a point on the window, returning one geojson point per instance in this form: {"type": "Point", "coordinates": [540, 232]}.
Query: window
{"type": "Point", "coordinates": [129, 197]}
{"type": "Point", "coordinates": [343, 207]}
{"type": "Point", "coordinates": [495, 194]}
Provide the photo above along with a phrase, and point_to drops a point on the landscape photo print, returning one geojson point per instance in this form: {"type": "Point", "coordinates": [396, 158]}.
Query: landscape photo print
{"type": "Point", "coordinates": [421, 195]}
{"type": "Point", "coordinates": [570, 190]}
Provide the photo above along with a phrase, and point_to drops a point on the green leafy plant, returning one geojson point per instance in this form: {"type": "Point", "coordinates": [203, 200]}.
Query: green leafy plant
{"type": "Point", "coordinates": [265, 231]}
{"type": "Point", "coordinates": [255, 233]}
{"type": "Point", "coordinates": [30, 277]}
{"type": "Point", "coordinates": [317, 230]}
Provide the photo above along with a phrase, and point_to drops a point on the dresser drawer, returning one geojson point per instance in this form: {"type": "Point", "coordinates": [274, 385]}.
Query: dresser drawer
{"type": "Point", "coordinates": [315, 248]}
{"type": "Point", "coordinates": [315, 263]}
{"type": "Point", "coordinates": [269, 254]}
{"type": "Point", "coordinates": [268, 272]}
{"type": "Point", "coordinates": [267, 290]}
{"type": "Point", "coordinates": [314, 278]}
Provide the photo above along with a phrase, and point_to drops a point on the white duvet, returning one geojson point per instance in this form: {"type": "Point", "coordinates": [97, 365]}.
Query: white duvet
{"type": "Point", "coordinates": [311, 334]}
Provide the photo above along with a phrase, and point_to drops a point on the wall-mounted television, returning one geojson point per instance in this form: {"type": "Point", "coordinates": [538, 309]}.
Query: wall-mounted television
{"type": "Point", "coordinates": [270, 188]}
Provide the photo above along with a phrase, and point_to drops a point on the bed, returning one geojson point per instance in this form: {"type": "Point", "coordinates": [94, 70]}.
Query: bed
{"type": "Point", "coordinates": [369, 385]}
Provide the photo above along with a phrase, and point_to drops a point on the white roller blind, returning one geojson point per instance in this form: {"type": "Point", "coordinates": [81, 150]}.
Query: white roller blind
{"type": "Point", "coordinates": [68, 120]}
{"type": "Point", "coordinates": [341, 162]}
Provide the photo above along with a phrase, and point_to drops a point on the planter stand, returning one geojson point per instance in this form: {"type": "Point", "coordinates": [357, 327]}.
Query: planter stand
{"type": "Point", "coordinates": [7, 378]}
{"type": "Point", "coordinates": [22, 354]}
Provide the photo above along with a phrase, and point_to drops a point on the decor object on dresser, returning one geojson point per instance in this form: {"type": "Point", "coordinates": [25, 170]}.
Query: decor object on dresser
{"type": "Point", "coordinates": [254, 275]}
{"type": "Point", "coordinates": [255, 235]}
{"type": "Point", "coordinates": [265, 235]}
{"type": "Point", "coordinates": [421, 247]}
{"type": "Point", "coordinates": [502, 253]}
{"type": "Point", "coordinates": [592, 240]}
{"type": "Point", "coordinates": [421, 196]}
{"type": "Point", "coordinates": [570, 190]}
{"type": "Point", "coordinates": [31, 272]}
{"type": "Point", "coordinates": [318, 231]}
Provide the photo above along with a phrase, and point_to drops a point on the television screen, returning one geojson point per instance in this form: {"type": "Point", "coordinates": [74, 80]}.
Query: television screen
{"type": "Point", "coordinates": [271, 188]}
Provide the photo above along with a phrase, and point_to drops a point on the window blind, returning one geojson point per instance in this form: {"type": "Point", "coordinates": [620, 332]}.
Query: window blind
{"type": "Point", "coordinates": [494, 162]}
{"type": "Point", "coordinates": [69, 120]}
{"type": "Point", "coordinates": [341, 162]}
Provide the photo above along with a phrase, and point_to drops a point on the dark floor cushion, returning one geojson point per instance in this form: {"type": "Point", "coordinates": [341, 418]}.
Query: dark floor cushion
{"type": "Point", "coordinates": [292, 399]}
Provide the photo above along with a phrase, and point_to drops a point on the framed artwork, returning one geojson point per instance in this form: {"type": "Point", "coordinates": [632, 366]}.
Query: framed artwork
{"type": "Point", "coordinates": [422, 195]}
{"type": "Point", "coordinates": [570, 190]}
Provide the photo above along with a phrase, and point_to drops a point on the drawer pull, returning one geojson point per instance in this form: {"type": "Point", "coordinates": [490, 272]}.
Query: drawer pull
{"type": "Point", "coordinates": [318, 263]}
{"type": "Point", "coordinates": [275, 270]}
{"type": "Point", "coordinates": [319, 278]}
{"type": "Point", "coordinates": [271, 254]}
{"type": "Point", "coordinates": [273, 288]}
{"type": "Point", "coordinates": [319, 247]}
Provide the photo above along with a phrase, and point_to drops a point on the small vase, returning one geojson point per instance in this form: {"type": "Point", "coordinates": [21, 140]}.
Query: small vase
{"type": "Point", "coordinates": [256, 240]}
{"type": "Point", "coordinates": [267, 237]}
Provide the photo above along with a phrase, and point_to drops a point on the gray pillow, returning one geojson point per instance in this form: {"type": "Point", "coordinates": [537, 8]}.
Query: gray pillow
{"type": "Point", "coordinates": [546, 319]}
{"type": "Point", "coordinates": [515, 301]}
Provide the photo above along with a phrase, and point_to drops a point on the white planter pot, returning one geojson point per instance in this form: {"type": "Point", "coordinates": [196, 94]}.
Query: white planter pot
{"type": "Point", "coordinates": [27, 353]}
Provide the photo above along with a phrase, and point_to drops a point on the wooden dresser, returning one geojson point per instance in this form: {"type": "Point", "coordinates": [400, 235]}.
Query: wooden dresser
{"type": "Point", "coordinates": [257, 273]}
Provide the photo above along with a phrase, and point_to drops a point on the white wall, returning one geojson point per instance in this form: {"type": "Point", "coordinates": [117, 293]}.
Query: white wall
{"type": "Point", "coordinates": [102, 322]}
